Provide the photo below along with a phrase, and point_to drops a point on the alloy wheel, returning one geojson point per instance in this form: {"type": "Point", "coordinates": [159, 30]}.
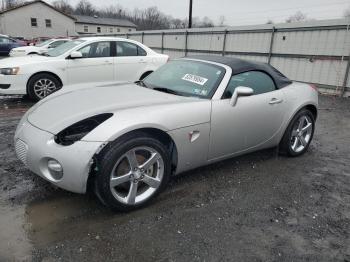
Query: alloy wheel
{"type": "Point", "coordinates": [301, 134]}
{"type": "Point", "coordinates": [44, 87]}
{"type": "Point", "coordinates": [136, 175]}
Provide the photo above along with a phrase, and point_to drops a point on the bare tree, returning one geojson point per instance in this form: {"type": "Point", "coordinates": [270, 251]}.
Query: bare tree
{"type": "Point", "coordinates": [63, 6]}
{"type": "Point", "coordinates": [84, 7]}
{"type": "Point", "coordinates": [297, 17]}
{"type": "Point", "coordinates": [8, 4]}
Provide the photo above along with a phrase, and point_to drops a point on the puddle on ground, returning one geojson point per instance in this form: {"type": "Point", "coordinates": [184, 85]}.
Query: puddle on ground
{"type": "Point", "coordinates": [14, 246]}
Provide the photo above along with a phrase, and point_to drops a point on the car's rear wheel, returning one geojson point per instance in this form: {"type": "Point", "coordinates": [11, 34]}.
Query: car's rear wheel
{"type": "Point", "coordinates": [132, 172]}
{"type": "Point", "coordinates": [42, 85]}
{"type": "Point", "coordinates": [299, 134]}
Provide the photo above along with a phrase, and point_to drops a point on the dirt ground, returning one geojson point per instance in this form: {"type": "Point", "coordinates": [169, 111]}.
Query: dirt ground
{"type": "Point", "coordinates": [259, 207]}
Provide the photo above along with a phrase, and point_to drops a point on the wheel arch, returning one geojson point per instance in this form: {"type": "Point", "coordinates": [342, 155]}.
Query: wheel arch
{"type": "Point", "coordinates": [43, 72]}
{"type": "Point", "coordinates": [156, 133]}
{"type": "Point", "coordinates": [311, 107]}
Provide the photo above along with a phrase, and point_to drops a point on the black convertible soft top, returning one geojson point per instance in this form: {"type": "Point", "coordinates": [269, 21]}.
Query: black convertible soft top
{"type": "Point", "coordinates": [240, 66]}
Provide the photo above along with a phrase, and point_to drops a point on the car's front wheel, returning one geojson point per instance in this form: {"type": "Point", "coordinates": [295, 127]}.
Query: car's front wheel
{"type": "Point", "coordinates": [42, 85]}
{"type": "Point", "coordinates": [298, 134]}
{"type": "Point", "coordinates": [132, 172]}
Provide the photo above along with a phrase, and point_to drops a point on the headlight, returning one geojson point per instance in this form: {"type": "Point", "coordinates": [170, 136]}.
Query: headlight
{"type": "Point", "coordinates": [9, 71]}
{"type": "Point", "coordinates": [77, 131]}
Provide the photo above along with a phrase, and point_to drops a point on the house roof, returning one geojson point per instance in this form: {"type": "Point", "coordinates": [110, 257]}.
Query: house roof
{"type": "Point", "coordinates": [240, 66]}
{"type": "Point", "coordinates": [35, 2]}
{"type": "Point", "coordinates": [103, 21]}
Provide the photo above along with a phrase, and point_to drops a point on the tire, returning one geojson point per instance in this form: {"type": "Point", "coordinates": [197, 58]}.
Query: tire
{"type": "Point", "coordinates": [118, 174]}
{"type": "Point", "coordinates": [47, 82]}
{"type": "Point", "coordinates": [298, 135]}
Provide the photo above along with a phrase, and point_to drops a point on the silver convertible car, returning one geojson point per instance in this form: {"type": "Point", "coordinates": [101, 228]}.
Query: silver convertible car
{"type": "Point", "coordinates": [125, 141]}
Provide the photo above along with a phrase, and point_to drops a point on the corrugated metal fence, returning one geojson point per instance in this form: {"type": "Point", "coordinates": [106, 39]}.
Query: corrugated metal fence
{"type": "Point", "coordinates": [314, 52]}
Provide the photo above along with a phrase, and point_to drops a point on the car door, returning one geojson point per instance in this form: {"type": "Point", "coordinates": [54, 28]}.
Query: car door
{"type": "Point", "coordinates": [252, 122]}
{"type": "Point", "coordinates": [96, 65]}
{"type": "Point", "coordinates": [130, 61]}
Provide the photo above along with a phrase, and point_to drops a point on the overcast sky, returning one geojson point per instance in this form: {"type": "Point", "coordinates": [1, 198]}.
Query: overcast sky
{"type": "Point", "coordinates": [239, 12]}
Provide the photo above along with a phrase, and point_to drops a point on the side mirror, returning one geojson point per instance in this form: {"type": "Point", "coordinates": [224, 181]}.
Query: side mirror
{"type": "Point", "coordinates": [75, 55]}
{"type": "Point", "coordinates": [240, 91]}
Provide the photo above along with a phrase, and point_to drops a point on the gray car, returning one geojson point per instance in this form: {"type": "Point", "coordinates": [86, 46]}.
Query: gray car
{"type": "Point", "coordinates": [126, 140]}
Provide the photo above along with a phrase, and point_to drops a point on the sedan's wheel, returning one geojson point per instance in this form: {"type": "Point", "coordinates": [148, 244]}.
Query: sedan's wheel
{"type": "Point", "coordinates": [133, 172]}
{"type": "Point", "coordinates": [299, 133]}
{"type": "Point", "coordinates": [42, 85]}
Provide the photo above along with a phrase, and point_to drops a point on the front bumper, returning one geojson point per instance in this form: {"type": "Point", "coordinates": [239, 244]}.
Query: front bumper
{"type": "Point", "coordinates": [34, 147]}
{"type": "Point", "coordinates": [18, 84]}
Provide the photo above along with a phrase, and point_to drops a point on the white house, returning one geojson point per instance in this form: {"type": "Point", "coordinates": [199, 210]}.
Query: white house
{"type": "Point", "coordinates": [40, 19]}
{"type": "Point", "coordinates": [85, 25]}
{"type": "Point", "coordinates": [36, 19]}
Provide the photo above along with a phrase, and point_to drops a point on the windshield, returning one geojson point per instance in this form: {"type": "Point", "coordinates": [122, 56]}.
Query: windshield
{"type": "Point", "coordinates": [61, 49]}
{"type": "Point", "coordinates": [187, 78]}
{"type": "Point", "coordinates": [44, 43]}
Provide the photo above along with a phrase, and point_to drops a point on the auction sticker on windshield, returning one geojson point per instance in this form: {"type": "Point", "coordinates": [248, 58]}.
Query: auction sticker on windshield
{"type": "Point", "coordinates": [195, 79]}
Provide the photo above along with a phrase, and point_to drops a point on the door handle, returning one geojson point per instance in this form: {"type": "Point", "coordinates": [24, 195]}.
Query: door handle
{"type": "Point", "coordinates": [142, 61]}
{"type": "Point", "coordinates": [275, 101]}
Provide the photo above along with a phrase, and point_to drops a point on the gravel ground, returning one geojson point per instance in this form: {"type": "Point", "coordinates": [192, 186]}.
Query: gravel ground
{"type": "Point", "coordinates": [259, 207]}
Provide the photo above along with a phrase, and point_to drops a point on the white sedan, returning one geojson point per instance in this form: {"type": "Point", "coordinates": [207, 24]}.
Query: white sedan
{"type": "Point", "coordinates": [85, 60]}
{"type": "Point", "coordinates": [39, 48]}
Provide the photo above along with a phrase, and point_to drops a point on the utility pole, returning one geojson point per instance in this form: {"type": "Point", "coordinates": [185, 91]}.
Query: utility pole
{"type": "Point", "coordinates": [190, 15]}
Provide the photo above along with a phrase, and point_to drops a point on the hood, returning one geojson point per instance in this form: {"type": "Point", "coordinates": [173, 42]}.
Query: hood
{"type": "Point", "coordinates": [24, 60]}
{"type": "Point", "coordinates": [55, 113]}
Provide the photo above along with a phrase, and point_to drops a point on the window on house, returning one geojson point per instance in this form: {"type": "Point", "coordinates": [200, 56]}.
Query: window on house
{"type": "Point", "coordinates": [34, 22]}
{"type": "Point", "coordinates": [98, 29]}
{"type": "Point", "coordinates": [48, 22]}
{"type": "Point", "coordinates": [111, 29]}
{"type": "Point", "coordinates": [118, 30]}
{"type": "Point", "coordinates": [129, 29]}
{"type": "Point", "coordinates": [86, 29]}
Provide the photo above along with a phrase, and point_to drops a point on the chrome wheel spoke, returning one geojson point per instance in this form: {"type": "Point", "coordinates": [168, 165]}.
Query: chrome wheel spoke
{"type": "Point", "coordinates": [151, 181]}
{"type": "Point", "coordinates": [302, 141]}
{"type": "Point", "coordinates": [307, 127]}
{"type": "Point", "coordinates": [130, 155]}
{"type": "Point", "coordinates": [149, 162]}
{"type": "Point", "coordinates": [115, 181]}
{"type": "Point", "coordinates": [295, 144]}
{"type": "Point", "coordinates": [130, 199]}
{"type": "Point", "coordinates": [301, 123]}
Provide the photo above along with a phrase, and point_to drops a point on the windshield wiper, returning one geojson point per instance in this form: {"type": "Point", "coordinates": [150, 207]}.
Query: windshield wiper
{"type": "Point", "coordinates": [166, 90]}
{"type": "Point", "coordinates": [141, 83]}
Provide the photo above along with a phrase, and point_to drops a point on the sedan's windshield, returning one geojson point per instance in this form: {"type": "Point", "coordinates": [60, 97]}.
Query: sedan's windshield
{"type": "Point", "coordinates": [44, 43]}
{"type": "Point", "coordinates": [187, 78]}
{"type": "Point", "coordinates": [61, 49]}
